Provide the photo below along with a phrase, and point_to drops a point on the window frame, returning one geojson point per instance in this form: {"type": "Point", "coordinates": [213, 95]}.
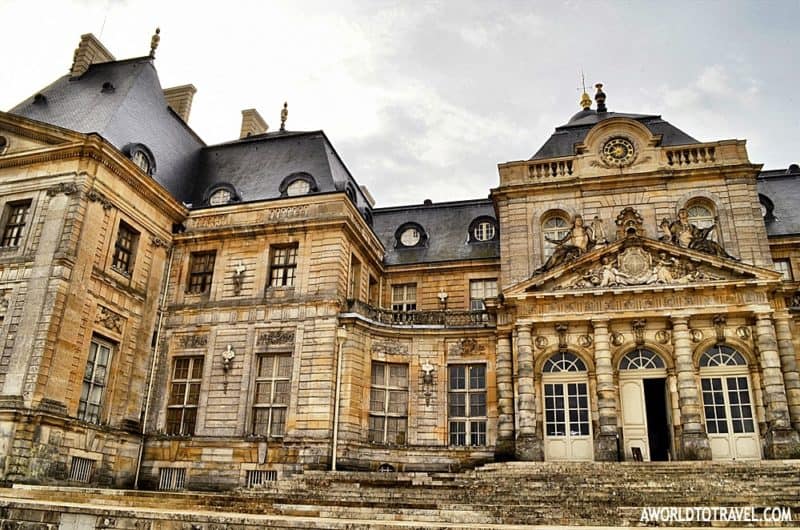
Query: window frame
{"type": "Point", "coordinates": [404, 304]}
{"type": "Point", "coordinates": [120, 250]}
{"type": "Point", "coordinates": [272, 404]}
{"type": "Point", "coordinates": [89, 411]}
{"type": "Point", "coordinates": [205, 276]}
{"type": "Point", "coordinates": [398, 234]}
{"type": "Point", "coordinates": [471, 426]}
{"type": "Point", "coordinates": [703, 221]}
{"type": "Point", "coordinates": [553, 232]}
{"type": "Point", "coordinates": [477, 223]}
{"type": "Point", "coordinates": [388, 416]}
{"type": "Point", "coordinates": [292, 178]}
{"type": "Point", "coordinates": [15, 230]}
{"type": "Point", "coordinates": [784, 266]}
{"type": "Point", "coordinates": [478, 304]}
{"type": "Point", "coordinates": [189, 383]}
{"type": "Point", "coordinates": [288, 271]}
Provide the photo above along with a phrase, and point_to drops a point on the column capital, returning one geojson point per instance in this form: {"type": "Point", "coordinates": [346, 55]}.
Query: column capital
{"type": "Point", "coordinates": [679, 320]}
{"type": "Point", "coordinates": [600, 323]}
{"type": "Point", "coordinates": [524, 327]}
{"type": "Point", "coordinates": [763, 315]}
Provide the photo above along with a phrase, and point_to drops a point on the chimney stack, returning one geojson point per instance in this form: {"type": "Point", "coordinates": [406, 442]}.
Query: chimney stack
{"type": "Point", "coordinates": [252, 123]}
{"type": "Point", "coordinates": [179, 99]}
{"type": "Point", "coordinates": [90, 51]}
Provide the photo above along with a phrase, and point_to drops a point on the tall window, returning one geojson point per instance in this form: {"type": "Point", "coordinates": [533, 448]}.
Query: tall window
{"type": "Point", "coordinates": [480, 290]}
{"type": "Point", "coordinates": [404, 297]}
{"type": "Point", "coordinates": [466, 401]}
{"type": "Point", "coordinates": [15, 218]}
{"type": "Point", "coordinates": [388, 403]}
{"type": "Point", "coordinates": [784, 266]}
{"type": "Point", "coordinates": [354, 291]}
{"type": "Point", "coordinates": [184, 395]}
{"type": "Point", "coordinates": [555, 227]}
{"type": "Point", "coordinates": [201, 270]}
{"type": "Point", "coordinates": [273, 377]}
{"type": "Point", "coordinates": [702, 217]}
{"type": "Point", "coordinates": [283, 266]}
{"type": "Point", "coordinates": [124, 248]}
{"type": "Point", "coordinates": [94, 381]}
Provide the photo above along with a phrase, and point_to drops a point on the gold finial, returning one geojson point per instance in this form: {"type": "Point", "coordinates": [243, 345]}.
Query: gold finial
{"type": "Point", "coordinates": [586, 101]}
{"type": "Point", "coordinates": [154, 43]}
{"type": "Point", "coordinates": [284, 115]}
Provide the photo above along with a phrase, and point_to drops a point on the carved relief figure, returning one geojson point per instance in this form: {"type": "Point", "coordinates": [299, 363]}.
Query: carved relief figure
{"type": "Point", "coordinates": [576, 242]}
{"type": "Point", "coordinates": [686, 235]}
{"type": "Point", "coordinates": [599, 231]}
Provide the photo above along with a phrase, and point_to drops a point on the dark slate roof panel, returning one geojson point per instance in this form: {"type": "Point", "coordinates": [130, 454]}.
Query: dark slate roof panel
{"type": "Point", "coordinates": [447, 226]}
{"type": "Point", "coordinates": [563, 140]}
{"type": "Point", "coordinates": [782, 187]}
{"type": "Point", "coordinates": [134, 112]}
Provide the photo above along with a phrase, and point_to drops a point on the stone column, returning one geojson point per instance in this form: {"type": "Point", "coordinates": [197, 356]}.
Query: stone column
{"type": "Point", "coordinates": [788, 357]}
{"type": "Point", "coordinates": [528, 445]}
{"type": "Point", "coordinates": [504, 449]}
{"type": "Point", "coordinates": [781, 440]}
{"type": "Point", "coordinates": [605, 444]}
{"type": "Point", "coordinates": [694, 440]}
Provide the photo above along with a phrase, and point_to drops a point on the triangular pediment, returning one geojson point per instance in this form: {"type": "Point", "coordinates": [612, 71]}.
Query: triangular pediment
{"type": "Point", "coordinates": [23, 135]}
{"type": "Point", "coordinates": [641, 263]}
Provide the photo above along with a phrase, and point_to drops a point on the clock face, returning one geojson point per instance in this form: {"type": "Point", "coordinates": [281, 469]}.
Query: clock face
{"type": "Point", "coordinates": [409, 237]}
{"type": "Point", "coordinates": [618, 151]}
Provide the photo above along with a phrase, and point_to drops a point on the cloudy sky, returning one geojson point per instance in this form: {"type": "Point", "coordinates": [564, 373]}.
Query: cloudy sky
{"type": "Point", "coordinates": [424, 99]}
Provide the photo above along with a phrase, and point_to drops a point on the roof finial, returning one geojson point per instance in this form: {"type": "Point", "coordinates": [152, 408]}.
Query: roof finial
{"type": "Point", "coordinates": [284, 115]}
{"type": "Point", "coordinates": [586, 101]}
{"type": "Point", "coordinates": [600, 98]}
{"type": "Point", "coordinates": [154, 43]}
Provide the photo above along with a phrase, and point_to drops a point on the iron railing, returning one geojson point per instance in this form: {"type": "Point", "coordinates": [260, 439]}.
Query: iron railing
{"type": "Point", "coordinates": [445, 318]}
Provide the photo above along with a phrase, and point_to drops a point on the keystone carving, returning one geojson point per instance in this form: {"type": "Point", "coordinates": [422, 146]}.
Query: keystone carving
{"type": "Point", "coordinates": [109, 319]}
{"type": "Point", "coordinates": [67, 188]}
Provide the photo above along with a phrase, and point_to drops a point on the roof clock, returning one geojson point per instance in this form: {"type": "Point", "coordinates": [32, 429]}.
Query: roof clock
{"type": "Point", "coordinates": [618, 151]}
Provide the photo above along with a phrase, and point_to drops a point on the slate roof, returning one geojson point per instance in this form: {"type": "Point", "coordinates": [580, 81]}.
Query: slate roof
{"type": "Point", "coordinates": [563, 140]}
{"type": "Point", "coordinates": [255, 166]}
{"type": "Point", "coordinates": [447, 226]}
{"type": "Point", "coordinates": [782, 188]}
{"type": "Point", "coordinates": [134, 112]}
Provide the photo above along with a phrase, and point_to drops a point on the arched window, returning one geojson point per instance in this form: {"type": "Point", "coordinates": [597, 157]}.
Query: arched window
{"type": "Point", "coordinates": [721, 355]}
{"type": "Point", "coordinates": [296, 184]}
{"type": "Point", "coordinates": [482, 229]}
{"type": "Point", "coordinates": [220, 194]}
{"type": "Point", "coordinates": [142, 157]}
{"type": "Point", "coordinates": [641, 359]}
{"type": "Point", "coordinates": [564, 362]}
{"type": "Point", "coordinates": [766, 207]}
{"type": "Point", "coordinates": [555, 227]}
{"type": "Point", "coordinates": [702, 216]}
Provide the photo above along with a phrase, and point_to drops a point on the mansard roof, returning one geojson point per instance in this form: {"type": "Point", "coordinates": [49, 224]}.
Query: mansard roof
{"type": "Point", "coordinates": [447, 227]}
{"type": "Point", "coordinates": [562, 141]}
{"type": "Point", "coordinates": [782, 188]}
{"type": "Point", "coordinates": [124, 103]}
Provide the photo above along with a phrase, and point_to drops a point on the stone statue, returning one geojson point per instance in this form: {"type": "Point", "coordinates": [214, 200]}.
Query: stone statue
{"type": "Point", "coordinates": [686, 235]}
{"type": "Point", "coordinates": [611, 276]}
{"type": "Point", "coordinates": [599, 231]}
{"type": "Point", "coordinates": [576, 242]}
{"type": "Point", "coordinates": [666, 233]}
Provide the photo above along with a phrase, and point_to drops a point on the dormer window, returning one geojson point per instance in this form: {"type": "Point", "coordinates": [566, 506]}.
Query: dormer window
{"type": "Point", "coordinates": [142, 157]}
{"type": "Point", "coordinates": [410, 235]}
{"type": "Point", "coordinates": [482, 229]}
{"type": "Point", "coordinates": [297, 184]}
{"type": "Point", "coordinates": [220, 194]}
{"type": "Point", "coordinates": [763, 201]}
{"type": "Point", "coordinates": [351, 192]}
{"type": "Point", "coordinates": [3, 145]}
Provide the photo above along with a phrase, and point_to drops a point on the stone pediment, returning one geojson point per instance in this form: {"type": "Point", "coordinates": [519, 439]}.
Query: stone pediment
{"type": "Point", "coordinates": [638, 263]}
{"type": "Point", "coordinates": [23, 134]}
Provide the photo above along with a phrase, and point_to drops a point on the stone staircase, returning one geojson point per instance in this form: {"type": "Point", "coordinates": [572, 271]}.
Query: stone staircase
{"type": "Point", "coordinates": [499, 495]}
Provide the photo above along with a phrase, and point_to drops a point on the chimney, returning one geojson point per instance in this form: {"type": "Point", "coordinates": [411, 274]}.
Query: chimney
{"type": "Point", "coordinates": [252, 123]}
{"type": "Point", "coordinates": [179, 99]}
{"type": "Point", "coordinates": [90, 51]}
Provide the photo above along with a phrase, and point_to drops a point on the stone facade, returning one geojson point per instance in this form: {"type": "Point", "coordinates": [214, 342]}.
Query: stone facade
{"type": "Point", "coordinates": [212, 345]}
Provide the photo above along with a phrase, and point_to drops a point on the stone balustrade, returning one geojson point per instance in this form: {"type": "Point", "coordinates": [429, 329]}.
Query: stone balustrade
{"type": "Point", "coordinates": [694, 155]}
{"type": "Point", "coordinates": [445, 318]}
{"type": "Point", "coordinates": [551, 168]}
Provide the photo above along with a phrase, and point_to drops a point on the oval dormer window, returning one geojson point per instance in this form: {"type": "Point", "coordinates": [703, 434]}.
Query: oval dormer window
{"type": "Point", "coordinates": [483, 229]}
{"type": "Point", "coordinates": [221, 196]}
{"type": "Point", "coordinates": [142, 157]}
{"type": "Point", "coordinates": [296, 184]}
{"type": "Point", "coordinates": [410, 235]}
{"type": "Point", "coordinates": [298, 187]}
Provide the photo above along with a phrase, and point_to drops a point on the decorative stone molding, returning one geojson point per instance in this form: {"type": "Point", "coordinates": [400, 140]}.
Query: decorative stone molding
{"type": "Point", "coordinates": [96, 196]}
{"type": "Point", "coordinates": [638, 326]}
{"type": "Point", "coordinates": [541, 342]}
{"type": "Point", "coordinates": [467, 347]}
{"type": "Point", "coordinates": [629, 223]}
{"type": "Point", "coordinates": [561, 329]}
{"type": "Point", "coordinates": [617, 338]}
{"type": "Point", "coordinates": [743, 332]}
{"type": "Point", "coordinates": [270, 338]}
{"type": "Point", "coordinates": [585, 341]}
{"type": "Point", "coordinates": [697, 335]}
{"type": "Point", "coordinates": [158, 242]}
{"type": "Point", "coordinates": [719, 327]}
{"type": "Point", "coordinates": [193, 341]}
{"type": "Point", "coordinates": [663, 336]}
{"type": "Point", "coordinates": [390, 347]}
{"type": "Point", "coordinates": [67, 188]}
{"type": "Point", "coordinates": [238, 278]}
{"type": "Point", "coordinates": [109, 319]}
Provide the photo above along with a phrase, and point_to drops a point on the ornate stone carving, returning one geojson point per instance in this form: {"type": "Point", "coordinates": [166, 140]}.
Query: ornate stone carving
{"type": "Point", "coordinates": [585, 341]}
{"type": "Point", "coordinates": [561, 329]}
{"type": "Point", "coordinates": [697, 335]}
{"type": "Point", "coordinates": [193, 341]}
{"type": "Point", "coordinates": [687, 235]}
{"type": "Point", "coordinates": [599, 231]}
{"type": "Point", "coordinates": [638, 326]}
{"type": "Point", "coordinates": [719, 327]}
{"type": "Point", "coordinates": [617, 339]}
{"type": "Point", "coordinates": [467, 347]}
{"type": "Point", "coordinates": [228, 354]}
{"type": "Point", "coordinates": [96, 196]}
{"type": "Point", "coordinates": [158, 242]}
{"type": "Point", "coordinates": [663, 336]}
{"type": "Point", "coordinates": [390, 347]}
{"type": "Point", "coordinates": [109, 319]}
{"type": "Point", "coordinates": [269, 338]}
{"type": "Point", "coordinates": [576, 242]}
{"type": "Point", "coordinates": [541, 342]}
{"type": "Point", "coordinates": [67, 188]}
{"type": "Point", "coordinates": [238, 278]}
{"type": "Point", "coordinates": [743, 332]}
{"type": "Point", "coordinates": [427, 381]}
{"type": "Point", "coordinates": [629, 223]}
